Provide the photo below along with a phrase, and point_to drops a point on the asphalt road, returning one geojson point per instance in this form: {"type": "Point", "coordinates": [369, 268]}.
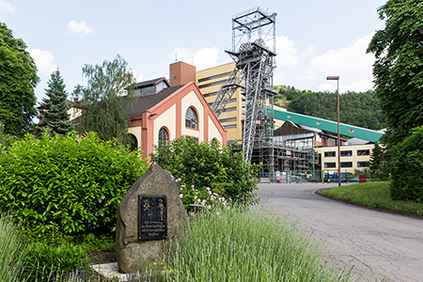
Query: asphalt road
{"type": "Point", "coordinates": [386, 245]}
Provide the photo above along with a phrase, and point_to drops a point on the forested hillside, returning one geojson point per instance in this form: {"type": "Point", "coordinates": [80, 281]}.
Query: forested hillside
{"type": "Point", "coordinates": [360, 109]}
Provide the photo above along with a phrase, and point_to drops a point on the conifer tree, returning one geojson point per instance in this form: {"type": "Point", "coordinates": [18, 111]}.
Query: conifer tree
{"type": "Point", "coordinates": [54, 110]}
{"type": "Point", "coordinates": [377, 161]}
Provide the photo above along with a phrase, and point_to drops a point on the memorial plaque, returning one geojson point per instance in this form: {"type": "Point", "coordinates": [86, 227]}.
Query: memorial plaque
{"type": "Point", "coordinates": [152, 217]}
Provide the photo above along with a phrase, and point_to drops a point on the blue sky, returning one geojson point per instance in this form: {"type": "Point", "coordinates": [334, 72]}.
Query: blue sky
{"type": "Point", "coordinates": [315, 38]}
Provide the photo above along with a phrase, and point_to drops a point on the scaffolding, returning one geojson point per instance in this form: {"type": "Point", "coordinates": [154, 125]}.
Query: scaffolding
{"type": "Point", "coordinates": [253, 50]}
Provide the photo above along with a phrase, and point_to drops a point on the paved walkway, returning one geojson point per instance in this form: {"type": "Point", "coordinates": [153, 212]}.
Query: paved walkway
{"type": "Point", "coordinates": [387, 245]}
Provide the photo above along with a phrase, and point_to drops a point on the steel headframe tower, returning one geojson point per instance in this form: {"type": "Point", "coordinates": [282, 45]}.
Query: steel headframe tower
{"type": "Point", "coordinates": [253, 50]}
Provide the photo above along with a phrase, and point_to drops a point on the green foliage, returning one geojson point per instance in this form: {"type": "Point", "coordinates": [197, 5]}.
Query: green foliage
{"type": "Point", "coordinates": [243, 245]}
{"type": "Point", "coordinates": [359, 109]}
{"type": "Point", "coordinates": [398, 69]}
{"type": "Point", "coordinates": [373, 194]}
{"type": "Point", "coordinates": [407, 168]}
{"type": "Point", "coordinates": [18, 78]}
{"type": "Point", "coordinates": [5, 139]}
{"type": "Point", "coordinates": [378, 162]}
{"type": "Point", "coordinates": [11, 244]}
{"type": "Point", "coordinates": [44, 262]}
{"type": "Point", "coordinates": [91, 242]}
{"type": "Point", "coordinates": [61, 184]}
{"type": "Point", "coordinates": [54, 111]}
{"type": "Point", "coordinates": [103, 101]}
{"type": "Point", "coordinates": [206, 164]}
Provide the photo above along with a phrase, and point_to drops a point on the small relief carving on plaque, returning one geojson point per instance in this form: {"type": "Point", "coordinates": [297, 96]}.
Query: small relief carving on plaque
{"type": "Point", "coordinates": [152, 217]}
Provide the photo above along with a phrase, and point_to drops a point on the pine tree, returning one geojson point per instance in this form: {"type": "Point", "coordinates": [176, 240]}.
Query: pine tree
{"type": "Point", "coordinates": [54, 110]}
{"type": "Point", "coordinates": [378, 161]}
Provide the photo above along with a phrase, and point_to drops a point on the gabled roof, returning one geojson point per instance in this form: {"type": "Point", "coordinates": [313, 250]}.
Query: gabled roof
{"type": "Point", "coordinates": [146, 102]}
{"type": "Point", "coordinates": [152, 82]}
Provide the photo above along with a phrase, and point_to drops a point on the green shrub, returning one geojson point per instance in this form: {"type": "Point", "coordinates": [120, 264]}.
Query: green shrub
{"type": "Point", "coordinates": [206, 164]}
{"type": "Point", "coordinates": [11, 244]}
{"type": "Point", "coordinates": [66, 185]}
{"type": "Point", "coordinates": [44, 262]}
{"type": "Point", "coordinates": [407, 168]}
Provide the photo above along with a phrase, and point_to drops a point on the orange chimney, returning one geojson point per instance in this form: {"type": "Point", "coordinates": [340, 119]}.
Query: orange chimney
{"type": "Point", "coordinates": [181, 73]}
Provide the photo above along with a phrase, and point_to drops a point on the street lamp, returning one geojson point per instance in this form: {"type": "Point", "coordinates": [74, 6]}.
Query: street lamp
{"type": "Point", "coordinates": [339, 135]}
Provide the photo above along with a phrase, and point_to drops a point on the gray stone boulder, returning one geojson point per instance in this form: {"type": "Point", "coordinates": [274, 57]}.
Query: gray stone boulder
{"type": "Point", "coordinates": [132, 251]}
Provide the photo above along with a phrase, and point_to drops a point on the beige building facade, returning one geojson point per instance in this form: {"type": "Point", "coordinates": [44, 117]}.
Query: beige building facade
{"type": "Point", "coordinates": [352, 157]}
{"type": "Point", "coordinates": [210, 81]}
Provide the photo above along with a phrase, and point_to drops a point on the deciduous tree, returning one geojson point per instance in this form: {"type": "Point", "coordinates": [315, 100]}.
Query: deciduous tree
{"type": "Point", "coordinates": [110, 89]}
{"type": "Point", "coordinates": [398, 76]}
{"type": "Point", "coordinates": [398, 69]}
{"type": "Point", "coordinates": [18, 78]}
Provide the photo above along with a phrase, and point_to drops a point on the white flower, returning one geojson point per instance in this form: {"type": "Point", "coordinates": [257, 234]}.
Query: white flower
{"type": "Point", "coordinates": [181, 196]}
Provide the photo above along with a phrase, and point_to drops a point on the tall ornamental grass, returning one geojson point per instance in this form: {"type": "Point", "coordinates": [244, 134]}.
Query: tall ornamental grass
{"type": "Point", "coordinates": [241, 245]}
{"type": "Point", "coordinates": [11, 244]}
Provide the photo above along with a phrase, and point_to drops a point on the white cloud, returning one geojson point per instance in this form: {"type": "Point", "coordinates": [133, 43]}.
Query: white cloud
{"type": "Point", "coordinates": [201, 59]}
{"type": "Point", "coordinates": [43, 61]}
{"type": "Point", "coordinates": [79, 28]}
{"type": "Point", "coordinates": [6, 8]}
{"type": "Point", "coordinates": [309, 51]}
{"type": "Point", "coordinates": [352, 64]}
{"type": "Point", "coordinates": [206, 57]}
{"type": "Point", "coordinates": [138, 77]}
{"type": "Point", "coordinates": [286, 53]}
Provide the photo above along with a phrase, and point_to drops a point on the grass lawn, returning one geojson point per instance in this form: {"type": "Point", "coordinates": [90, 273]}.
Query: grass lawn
{"type": "Point", "coordinates": [373, 194]}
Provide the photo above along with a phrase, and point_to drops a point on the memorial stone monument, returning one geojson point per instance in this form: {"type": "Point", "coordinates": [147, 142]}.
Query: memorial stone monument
{"type": "Point", "coordinates": [149, 215]}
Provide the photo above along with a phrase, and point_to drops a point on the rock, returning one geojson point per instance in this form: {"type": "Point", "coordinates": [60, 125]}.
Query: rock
{"type": "Point", "coordinates": [132, 253]}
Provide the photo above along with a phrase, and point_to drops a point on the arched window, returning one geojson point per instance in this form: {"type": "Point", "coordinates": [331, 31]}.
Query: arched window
{"type": "Point", "coordinates": [191, 119]}
{"type": "Point", "coordinates": [163, 137]}
{"type": "Point", "coordinates": [133, 142]}
{"type": "Point", "coordinates": [215, 142]}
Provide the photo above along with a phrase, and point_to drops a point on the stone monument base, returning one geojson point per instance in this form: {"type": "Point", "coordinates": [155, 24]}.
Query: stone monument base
{"type": "Point", "coordinates": [109, 271]}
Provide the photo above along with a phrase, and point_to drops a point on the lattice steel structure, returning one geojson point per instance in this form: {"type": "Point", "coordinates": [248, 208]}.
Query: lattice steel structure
{"type": "Point", "coordinates": [253, 50]}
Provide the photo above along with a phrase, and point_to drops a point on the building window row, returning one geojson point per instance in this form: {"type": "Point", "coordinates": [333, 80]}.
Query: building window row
{"type": "Point", "coordinates": [229, 101]}
{"type": "Point", "coordinates": [212, 84]}
{"type": "Point", "coordinates": [330, 154]}
{"type": "Point", "coordinates": [214, 77]}
{"type": "Point", "coordinates": [229, 126]}
{"type": "Point", "coordinates": [229, 109]}
{"type": "Point", "coordinates": [211, 94]}
{"type": "Point", "coordinates": [346, 164]}
{"type": "Point", "coordinates": [227, 119]}
{"type": "Point", "coordinates": [347, 153]}
{"type": "Point", "coordinates": [363, 152]}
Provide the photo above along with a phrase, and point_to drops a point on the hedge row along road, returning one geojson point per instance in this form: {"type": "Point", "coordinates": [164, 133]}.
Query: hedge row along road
{"type": "Point", "coordinates": [387, 245]}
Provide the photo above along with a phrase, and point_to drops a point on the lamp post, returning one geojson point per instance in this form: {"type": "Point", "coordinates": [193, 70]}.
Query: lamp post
{"type": "Point", "coordinates": [339, 135]}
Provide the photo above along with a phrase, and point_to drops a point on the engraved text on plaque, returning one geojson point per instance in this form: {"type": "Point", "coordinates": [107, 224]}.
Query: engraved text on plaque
{"type": "Point", "coordinates": [152, 217]}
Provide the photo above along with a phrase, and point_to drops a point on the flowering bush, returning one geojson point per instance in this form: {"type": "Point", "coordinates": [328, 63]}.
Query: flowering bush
{"type": "Point", "coordinates": [207, 197]}
{"type": "Point", "coordinates": [207, 164]}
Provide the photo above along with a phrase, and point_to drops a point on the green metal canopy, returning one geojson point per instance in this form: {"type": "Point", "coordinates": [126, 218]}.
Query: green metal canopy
{"type": "Point", "coordinates": [328, 126]}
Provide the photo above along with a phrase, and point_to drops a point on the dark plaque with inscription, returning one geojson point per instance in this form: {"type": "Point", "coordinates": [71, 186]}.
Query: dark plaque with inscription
{"type": "Point", "coordinates": [152, 217]}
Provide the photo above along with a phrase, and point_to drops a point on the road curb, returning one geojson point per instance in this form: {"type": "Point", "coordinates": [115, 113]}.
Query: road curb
{"type": "Point", "coordinates": [416, 216]}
